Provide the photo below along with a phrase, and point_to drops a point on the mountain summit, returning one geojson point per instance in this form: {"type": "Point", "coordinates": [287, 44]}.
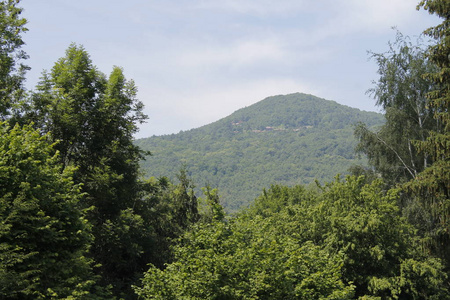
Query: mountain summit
{"type": "Point", "coordinates": [286, 139]}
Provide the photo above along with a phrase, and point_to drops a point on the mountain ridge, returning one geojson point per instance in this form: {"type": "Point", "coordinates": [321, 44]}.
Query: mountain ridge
{"type": "Point", "coordinates": [286, 139]}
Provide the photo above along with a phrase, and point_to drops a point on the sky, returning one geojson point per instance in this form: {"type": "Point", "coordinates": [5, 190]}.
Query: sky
{"type": "Point", "coordinates": [197, 61]}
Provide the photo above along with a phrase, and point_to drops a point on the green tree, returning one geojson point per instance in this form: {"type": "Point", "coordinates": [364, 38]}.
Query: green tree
{"type": "Point", "coordinates": [245, 259]}
{"type": "Point", "coordinates": [171, 210]}
{"type": "Point", "coordinates": [93, 118]}
{"type": "Point", "coordinates": [210, 208]}
{"type": "Point", "coordinates": [401, 92]}
{"type": "Point", "coordinates": [382, 252]}
{"type": "Point", "coordinates": [185, 202]}
{"type": "Point", "coordinates": [44, 236]}
{"type": "Point", "coordinates": [12, 70]}
{"type": "Point", "coordinates": [432, 187]}
{"type": "Point", "coordinates": [381, 255]}
{"type": "Point", "coordinates": [344, 240]}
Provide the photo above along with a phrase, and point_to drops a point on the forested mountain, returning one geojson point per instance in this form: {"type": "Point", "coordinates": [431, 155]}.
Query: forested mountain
{"type": "Point", "coordinates": [287, 139]}
{"type": "Point", "coordinates": [77, 221]}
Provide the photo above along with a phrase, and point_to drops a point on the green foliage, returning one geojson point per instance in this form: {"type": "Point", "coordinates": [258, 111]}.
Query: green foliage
{"type": "Point", "coordinates": [412, 147]}
{"type": "Point", "coordinates": [306, 138]}
{"type": "Point", "coordinates": [344, 240]}
{"type": "Point", "coordinates": [365, 223]}
{"type": "Point", "coordinates": [245, 260]}
{"type": "Point", "coordinates": [186, 209]}
{"type": "Point", "coordinates": [44, 236]}
{"type": "Point", "coordinates": [401, 92]}
{"type": "Point", "coordinates": [210, 209]}
{"type": "Point", "coordinates": [432, 186]}
{"type": "Point", "coordinates": [93, 118]}
{"type": "Point", "coordinates": [170, 209]}
{"type": "Point", "coordinates": [70, 194]}
{"type": "Point", "coordinates": [12, 70]}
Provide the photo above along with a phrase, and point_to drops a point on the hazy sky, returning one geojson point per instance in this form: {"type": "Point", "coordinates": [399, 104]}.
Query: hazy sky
{"type": "Point", "coordinates": [196, 61]}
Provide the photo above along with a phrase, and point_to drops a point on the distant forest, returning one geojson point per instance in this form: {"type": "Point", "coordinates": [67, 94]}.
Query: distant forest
{"type": "Point", "coordinates": [289, 140]}
{"type": "Point", "coordinates": [79, 220]}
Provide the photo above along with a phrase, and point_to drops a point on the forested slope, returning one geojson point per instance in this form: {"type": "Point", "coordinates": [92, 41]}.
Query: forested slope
{"type": "Point", "coordinates": [286, 139]}
{"type": "Point", "coordinates": [77, 221]}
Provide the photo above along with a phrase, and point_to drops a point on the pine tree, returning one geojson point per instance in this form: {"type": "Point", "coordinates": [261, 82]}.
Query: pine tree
{"type": "Point", "coordinates": [432, 186]}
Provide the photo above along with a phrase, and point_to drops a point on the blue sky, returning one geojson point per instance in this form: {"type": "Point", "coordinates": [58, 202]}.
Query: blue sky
{"type": "Point", "coordinates": [197, 61]}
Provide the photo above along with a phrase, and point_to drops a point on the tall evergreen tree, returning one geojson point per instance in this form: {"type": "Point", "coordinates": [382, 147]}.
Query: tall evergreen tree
{"type": "Point", "coordinates": [432, 186]}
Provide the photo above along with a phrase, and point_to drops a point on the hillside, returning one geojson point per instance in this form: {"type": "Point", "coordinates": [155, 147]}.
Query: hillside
{"type": "Point", "coordinates": [289, 139]}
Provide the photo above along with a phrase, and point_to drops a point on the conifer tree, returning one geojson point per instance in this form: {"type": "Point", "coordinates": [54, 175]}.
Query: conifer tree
{"type": "Point", "coordinates": [432, 186]}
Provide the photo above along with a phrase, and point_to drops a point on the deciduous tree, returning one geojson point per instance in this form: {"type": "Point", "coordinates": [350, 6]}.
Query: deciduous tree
{"type": "Point", "coordinates": [343, 241]}
{"type": "Point", "coordinates": [93, 118]}
{"type": "Point", "coordinates": [44, 236]}
{"type": "Point", "coordinates": [401, 92]}
{"type": "Point", "coordinates": [12, 69]}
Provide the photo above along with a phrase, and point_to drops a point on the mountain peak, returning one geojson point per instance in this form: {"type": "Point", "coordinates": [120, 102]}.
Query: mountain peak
{"type": "Point", "coordinates": [298, 110]}
{"type": "Point", "coordinates": [287, 139]}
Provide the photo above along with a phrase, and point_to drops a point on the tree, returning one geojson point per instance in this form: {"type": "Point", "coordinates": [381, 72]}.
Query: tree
{"type": "Point", "coordinates": [246, 259]}
{"type": "Point", "coordinates": [93, 118]}
{"type": "Point", "coordinates": [44, 236]}
{"type": "Point", "coordinates": [343, 240]}
{"type": "Point", "coordinates": [432, 187]}
{"type": "Point", "coordinates": [185, 202]}
{"type": "Point", "coordinates": [12, 70]}
{"type": "Point", "coordinates": [210, 208]}
{"type": "Point", "coordinates": [382, 253]}
{"type": "Point", "coordinates": [401, 92]}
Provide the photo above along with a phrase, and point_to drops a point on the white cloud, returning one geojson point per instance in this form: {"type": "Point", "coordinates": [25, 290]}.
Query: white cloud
{"type": "Point", "coordinates": [255, 7]}
{"type": "Point", "coordinates": [373, 17]}
{"type": "Point", "coordinates": [199, 60]}
{"type": "Point", "coordinates": [240, 53]}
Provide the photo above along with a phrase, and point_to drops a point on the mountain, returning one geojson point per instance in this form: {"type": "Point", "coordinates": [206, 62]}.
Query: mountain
{"type": "Point", "coordinates": [286, 139]}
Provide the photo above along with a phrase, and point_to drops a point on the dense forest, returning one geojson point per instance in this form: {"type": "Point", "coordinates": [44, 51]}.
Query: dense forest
{"type": "Point", "coordinates": [79, 221]}
{"type": "Point", "coordinates": [288, 140]}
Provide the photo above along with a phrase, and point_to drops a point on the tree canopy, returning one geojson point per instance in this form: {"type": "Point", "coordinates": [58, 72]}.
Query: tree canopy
{"type": "Point", "coordinates": [343, 241]}
{"type": "Point", "coordinates": [12, 68]}
{"type": "Point", "coordinates": [79, 221]}
{"type": "Point", "coordinates": [44, 236]}
{"type": "Point", "coordinates": [401, 91]}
